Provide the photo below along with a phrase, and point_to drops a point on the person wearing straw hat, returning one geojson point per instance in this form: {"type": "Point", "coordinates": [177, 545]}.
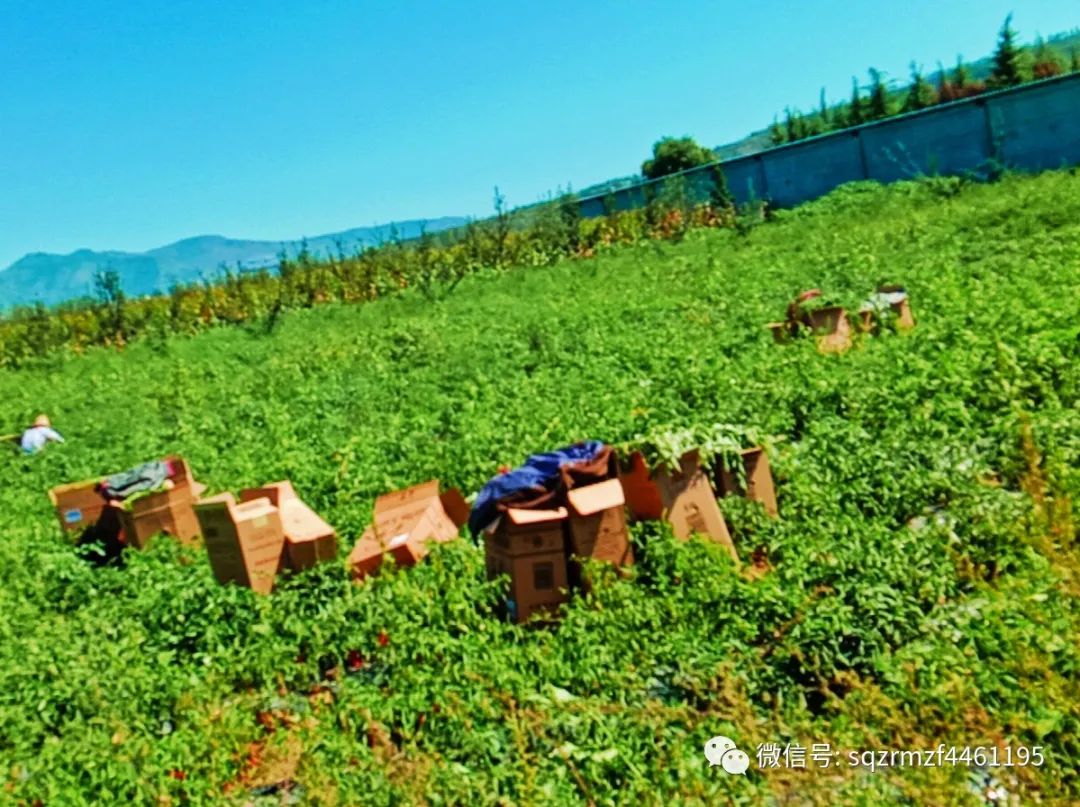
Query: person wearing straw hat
{"type": "Point", "coordinates": [37, 436]}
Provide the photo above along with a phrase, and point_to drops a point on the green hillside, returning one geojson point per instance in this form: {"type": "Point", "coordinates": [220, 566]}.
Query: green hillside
{"type": "Point", "coordinates": [920, 588]}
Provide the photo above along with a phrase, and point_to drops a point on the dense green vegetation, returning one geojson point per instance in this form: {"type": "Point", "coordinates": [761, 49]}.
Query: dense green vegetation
{"type": "Point", "coordinates": [539, 235]}
{"type": "Point", "coordinates": [674, 154]}
{"type": "Point", "coordinates": [921, 586]}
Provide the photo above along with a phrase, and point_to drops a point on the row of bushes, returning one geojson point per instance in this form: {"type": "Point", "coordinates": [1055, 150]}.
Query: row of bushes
{"type": "Point", "coordinates": [536, 236]}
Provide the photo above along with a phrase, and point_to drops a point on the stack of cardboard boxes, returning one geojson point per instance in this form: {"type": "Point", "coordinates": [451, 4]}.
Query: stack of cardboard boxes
{"type": "Point", "coordinates": [832, 326]}
{"type": "Point", "coordinates": [543, 549]}
{"type": "Point", "coordinates": [308, 539]}
{"type": "Point", "coordinates": [249, 542]}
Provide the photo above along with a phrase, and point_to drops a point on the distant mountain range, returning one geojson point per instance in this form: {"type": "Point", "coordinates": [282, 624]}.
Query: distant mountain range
{"type": "Point", "coordinates": [51, 279]}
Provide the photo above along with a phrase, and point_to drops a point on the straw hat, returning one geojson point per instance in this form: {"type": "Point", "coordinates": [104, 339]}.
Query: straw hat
{"type": "Point", "coordinates": [42, 421]}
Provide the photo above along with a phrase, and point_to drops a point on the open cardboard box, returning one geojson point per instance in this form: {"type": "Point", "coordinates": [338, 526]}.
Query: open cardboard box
{"type": "Point", "coordinates": [597, 526]}
{"type": "Point", "coordinates": [759, 480]}
{"type": "Point", "coordinates": [683, 497]}
{"type": "Point", "coordinates": [530, 547]}
{"type": "Point", "coordinates": [78, 505]}
{"type": "Point", "coordinates": [309, 540]}
{"type": "Point", "coordinates": [405, 522]}
{"type": "Point", "coordinates": [832, 329]}
{"type": "Point", "coordinates": [245, 542]}
{"type": "Point", "coordinates": [168, 510]}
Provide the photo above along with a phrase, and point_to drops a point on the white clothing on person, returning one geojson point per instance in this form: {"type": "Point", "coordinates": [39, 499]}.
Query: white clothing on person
{"type": "Point", "coordinates": [35, 438]}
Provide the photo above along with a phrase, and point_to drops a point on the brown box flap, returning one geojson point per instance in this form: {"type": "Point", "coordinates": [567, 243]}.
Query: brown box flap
{"type": "Point", "coordinates": [642, 495]}
{"type": "Point", "coordinates": [455, 506]}
{"type": "Point", "coordinates": [407, 497]}
{"type": "Point", "coordinates": [366, 548]}
{"type": "Point", "coordinates": [276, 492]}
{"type": "Point", "coordinates": [301, 523]}
{"type": "Point", "coordinates": [256, 508]}
{"type": "Point", "coordinates": [221, 501]}
{"type": "Point", "coordinates": [593, 498]}
{"type": "Point", "coordinates": [519, 517]}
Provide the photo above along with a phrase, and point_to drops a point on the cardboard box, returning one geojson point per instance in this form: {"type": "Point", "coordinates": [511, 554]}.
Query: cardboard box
{"type": "Point", "coordinates": [866, 321]}
{"type": "Point", "coordinates": [367, 555]}
{"type": "Point", "coordinates": [832, 329]}
{"type": "Point", "coordinates": [405, 522]}
{"type": "Point", "coordinates": [689, 503]}
{"type": "Point", "coordinates": [168, 510]}
{"type": "Point", "coordinates": [308, 539]}
{"type": "Point", "coordinates": [597, 523]}
{"type": "Point", "coordinates": [904, 319]}
{"type": "Point", "coordinates": [896, 298]}
{"type": "Point", "coordinates": [684, 498]}
{"type": "Point", "coordinates": [530, 547]}
{"type": "Point", "coordinates": [78, 505]}
{"type": "Point", "coordinates": [781, 331]}
{"type": "Point", "coordinates": [642, 496]}
{"type": "Point", "coordinates": [759, 480]}
{"type": "Point", "coordinates": [175, 519]}
{"type": "Point", "coordinates": [245, 542]}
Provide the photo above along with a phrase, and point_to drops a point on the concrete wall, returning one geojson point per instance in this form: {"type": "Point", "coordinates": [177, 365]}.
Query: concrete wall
{"type": "Point", "coordinates": [1028, 128]}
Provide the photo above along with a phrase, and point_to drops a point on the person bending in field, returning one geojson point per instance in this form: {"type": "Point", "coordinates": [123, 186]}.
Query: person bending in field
{"type": "Point", "coordinates": [37, 436]}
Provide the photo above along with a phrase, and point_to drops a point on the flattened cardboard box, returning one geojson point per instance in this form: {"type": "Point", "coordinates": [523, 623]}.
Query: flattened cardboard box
{"type": "Point", "coordinates": [597, 526]}
{"type": "Point", "coordinates": [759, 480]}
{"type": "Point", "coordinates": [405, 522]}
{"type": "Point", "coordinates": [530, 547]}
{"type": "Point", "coordinates": [245, 542]}
{"type": "Point", "coordinates": [308, 539]}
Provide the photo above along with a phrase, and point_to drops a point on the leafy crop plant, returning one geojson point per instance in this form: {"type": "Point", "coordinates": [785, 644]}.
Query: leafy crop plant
{"type": "Point", "coordinates": [919, 588]}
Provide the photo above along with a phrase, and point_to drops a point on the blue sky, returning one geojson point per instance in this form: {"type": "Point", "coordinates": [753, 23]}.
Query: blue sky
{"type": "Point", "coordinates": [129, 125]}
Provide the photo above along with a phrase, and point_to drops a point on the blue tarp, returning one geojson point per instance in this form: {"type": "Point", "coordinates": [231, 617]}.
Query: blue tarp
{"type": "Point", "coordinates": [539, 473]}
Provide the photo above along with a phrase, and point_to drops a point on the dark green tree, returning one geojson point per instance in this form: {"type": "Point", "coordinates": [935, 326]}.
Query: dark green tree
{"type": "Point", "coordinates": [823, 111]}
{"type": "Point", "coordinates": [878, 106]}
{"type": "Point", "coordinates": [113, 303]}
{"type": "Point", "coordinates": [920, 94]}
{"type": "Point", "coordinates": [942, 82]}
{"type": "Point", "coordinates": [570, 217]}
{"type": "Point", "coordinates": [960, 77]}
{"type": "Point", "coordinates": [499, 231]}
{"type": "Point", "coordinates": [1046, 62]}
{"type": "Point", "coordinates": [720, 194]}
{"type": "Point", "coordinates": [776, 133]}
{"type": "Point", "coordinates": [1006, 72]}
{"type": "Point", "coordinates": [856, 114]}
{"type": "Point", "coordinates": [791, 125]}
{"type": "Point", "coordinates": [1074, 62]}
{"type": "Point", "coordinates": [674, 154]}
